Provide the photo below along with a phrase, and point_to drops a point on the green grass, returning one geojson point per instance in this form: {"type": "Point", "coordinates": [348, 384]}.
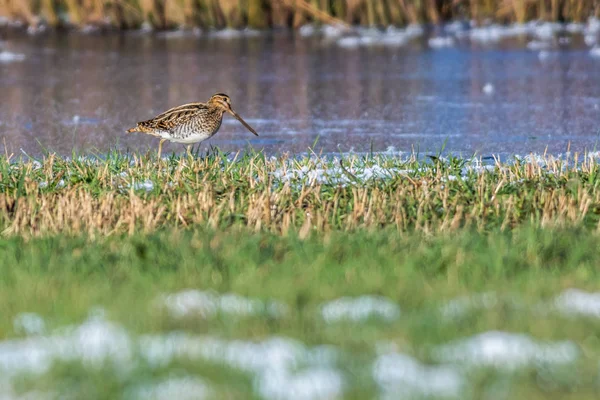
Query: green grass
{"type": "Point", "coordinates": [87, 245]}
{"type": "Point", "coordinates": [63, 278]}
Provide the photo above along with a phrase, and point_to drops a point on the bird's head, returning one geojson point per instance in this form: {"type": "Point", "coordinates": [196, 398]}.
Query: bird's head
{"type": "Point", "coordinates": [223, 102]}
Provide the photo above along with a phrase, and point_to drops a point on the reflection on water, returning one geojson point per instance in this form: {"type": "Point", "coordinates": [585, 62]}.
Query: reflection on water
{"type": "Point", "coordinates": [82, 92]}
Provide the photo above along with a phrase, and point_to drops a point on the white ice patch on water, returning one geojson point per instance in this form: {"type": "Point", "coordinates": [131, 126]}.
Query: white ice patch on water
{"type": "Point", "coordinates": [207, 304]}
{"type": "Point", "coordinates": [229, 33]}
{"type": "Point", "coordinates": [400, 376]}
{"type": "Point", "coordinates": [392, 37]}
{"type": "Point", "coordinates": [358, 309]}
{"type": "Point", "coordinates": [593, 26]}
{"type": "Point", "coordinates": [9, 57]}
{"type": "Point", "coordinates": [29, 324]}
{"type": "Point", "coordinates": [488, 89]}
{"type": "Point", "coordinates": [595, 52]}
{"type": "Point", "coordinates": [536, 45]}
{"type": "Point", "coordinates": [578, 302]}
{"type": "Point", "coordinates": [574, 27]}
{"type": "Point", "coordinates": [283, 368]}
{"type": "Point", "coordinates": [440, 42]}
{"type": "Point", "coordinates": [507, 351]}
{"type": "Point", "coordinates": [180, 388]}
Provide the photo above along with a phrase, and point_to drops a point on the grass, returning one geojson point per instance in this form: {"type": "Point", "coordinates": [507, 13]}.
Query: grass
{"type": "Point", "coordinates": [311, 194]}
{"type": "Point", "coordinates": [125, 14]}
{"type": "Point", "coordinates": [95, 244]}
{"type": "Point", "coordinates": [63, 278]}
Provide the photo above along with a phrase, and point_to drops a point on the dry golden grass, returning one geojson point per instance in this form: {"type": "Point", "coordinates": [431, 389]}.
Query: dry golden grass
{"type": "Point", "coordinates": [300, 195]}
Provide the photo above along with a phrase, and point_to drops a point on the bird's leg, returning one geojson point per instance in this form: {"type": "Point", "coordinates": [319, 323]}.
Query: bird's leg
{"type": "Point", "coordinates": [189, 150]}
{"type": "Point", "coordinates": [160, 147]}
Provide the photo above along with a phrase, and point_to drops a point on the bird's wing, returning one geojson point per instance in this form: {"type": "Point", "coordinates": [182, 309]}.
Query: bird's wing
{"type": "Point", "coordinates": [174, 116]}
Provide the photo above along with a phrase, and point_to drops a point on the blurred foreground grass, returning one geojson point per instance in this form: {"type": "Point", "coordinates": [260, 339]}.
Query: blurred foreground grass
{"type": "Point", "coordinates": [64, 279]}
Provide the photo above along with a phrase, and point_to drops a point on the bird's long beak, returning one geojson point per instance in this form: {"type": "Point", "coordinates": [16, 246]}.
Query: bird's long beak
{"type": "Point", "coordinates": [242, 121]}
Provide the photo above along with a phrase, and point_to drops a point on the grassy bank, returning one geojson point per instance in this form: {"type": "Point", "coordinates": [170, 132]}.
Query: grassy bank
{"type": "Point", "coordinates": [305, 195]}
{"type": "Point", "coordinates": [247, 277]}
{"type": "Point", "coordinates": [268, 13]}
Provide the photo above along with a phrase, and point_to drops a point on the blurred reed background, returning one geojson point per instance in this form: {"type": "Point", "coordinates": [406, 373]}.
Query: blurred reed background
{"type": "Point", "coordinates": [167, 14]}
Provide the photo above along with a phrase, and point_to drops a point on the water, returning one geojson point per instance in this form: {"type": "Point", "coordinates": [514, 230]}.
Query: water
{"type": "Point", "coordinates": [76, 92]}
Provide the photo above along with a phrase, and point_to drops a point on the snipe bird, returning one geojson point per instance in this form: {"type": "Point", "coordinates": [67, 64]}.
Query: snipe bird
{"type": "Point", "coordinates": [190, 123]}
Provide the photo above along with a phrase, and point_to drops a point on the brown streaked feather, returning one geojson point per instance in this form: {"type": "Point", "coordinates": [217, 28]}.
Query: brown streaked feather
{"type": "Point", "coordinates": [172, 117]}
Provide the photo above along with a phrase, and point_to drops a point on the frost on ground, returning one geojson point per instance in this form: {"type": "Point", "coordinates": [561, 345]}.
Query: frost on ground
{"type": "Point", "coordinates": [400, 376]}
{"type": "Point", "coordinates": [318, 173]}
{"type": "Point", "coordinates": [463, 306]}
{"type": "Point", "coordinates": [92, 343]}
{"type": "Point", "coordinates": [29, 324]}
{"type": "Point", "coordinates": [181, 388]}
{"type": "Point", "coordinates": [360, 309]}
{"type": "Point", "coordinates": [578, 302]}
{"type": "Point", "coordinates": [207, 304]}
{"type": "Point", "coordinates": [283, 368]}
{"type": "Point", "coordinates": [507, 351]}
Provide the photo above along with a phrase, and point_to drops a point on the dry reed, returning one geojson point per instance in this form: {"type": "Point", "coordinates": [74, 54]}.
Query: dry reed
{"type": "Point", "coordinates": [163, 14]}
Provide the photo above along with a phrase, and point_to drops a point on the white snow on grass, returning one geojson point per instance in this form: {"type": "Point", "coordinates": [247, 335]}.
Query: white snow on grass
{"type": "Point", "coordinates": [29, 324]}
{"type": "Point", "coordinates": [506, 351]}
{"type": "Point", "coordinates": [146, 186]}
{"type": "Point", "coordinates": [180, 388]}
{"type": "Point", "coordinates": [578, 302]}
{"type": "Point", "coordinates": [400, 376]}
{"type": "Point", "coordinates": [283, 368]}
{"type": "Point", "coordinates": [463, 306]}
{"type": "Point", "coordinates": [316, 174]}
{"type": "Point", "coordinates": [207, 304]}
{"type": "Point", "coordinates": [92, 343]}
{"type": "Point", "coordinates": [358, 309]}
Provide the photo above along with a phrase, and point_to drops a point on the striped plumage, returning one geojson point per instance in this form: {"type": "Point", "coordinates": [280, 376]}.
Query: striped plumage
{"type": "Point", "coordinates": [190, 123]}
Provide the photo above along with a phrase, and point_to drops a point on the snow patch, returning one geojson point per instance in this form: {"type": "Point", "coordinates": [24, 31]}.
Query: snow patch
{"type": "Point", "coordinates": [181, 388]}
{"type": "Point", "coordinates": [401, 376]}
{"type": "Point", "coordinates": [29, 324]}
{"type": "Point", "coordinates": [358, 309]}
{"type": "Point", "coordinates": [440, 42]}
{"type": "Point", "coordinates": [508, 351]}
{"type": "Point", "coordinates": [207, 304]}
{"type": "Point", "coordinates": [462, 306]}
{"type": "Point", "coordinates": [578, 302]}
{"type": "Point", "coordinates": [9, 57]}
{"type": "Point", "coordinates": [283, 368]}
{"type": "Point", "coordinates": [488, 89]}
